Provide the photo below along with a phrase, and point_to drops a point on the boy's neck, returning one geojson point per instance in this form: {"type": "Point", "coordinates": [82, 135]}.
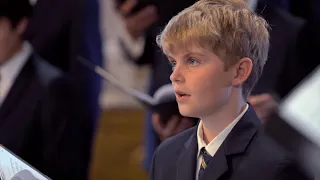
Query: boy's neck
{"type": "Point", "coordinates": [215, 123]}
{"type": "Point", "coordinates": [13, 51]}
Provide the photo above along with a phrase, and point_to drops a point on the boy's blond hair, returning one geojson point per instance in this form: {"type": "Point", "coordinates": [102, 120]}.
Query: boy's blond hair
{"type": "Point", "coordinates": [227, 28]}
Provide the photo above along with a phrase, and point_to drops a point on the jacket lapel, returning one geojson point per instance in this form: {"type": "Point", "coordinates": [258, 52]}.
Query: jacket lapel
{"type": "Point", "coordinates": [235, 144]}
{"type": "Point", "coordinates": [186, 164]}
{"type": "Point", "coordinates": [18, 88]}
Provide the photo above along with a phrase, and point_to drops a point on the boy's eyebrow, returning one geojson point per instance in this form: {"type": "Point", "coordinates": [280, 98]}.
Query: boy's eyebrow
{"type": "Point", "coordinates": [170, 58]}
{"type": "Point", "coordinates": [189, 53]}
{"type": "Point", "coordinates": [194, 53]}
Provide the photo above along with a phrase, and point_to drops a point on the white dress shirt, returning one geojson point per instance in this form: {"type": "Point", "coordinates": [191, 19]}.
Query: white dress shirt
{"type": "Point", "coordinates": [11, 69]}
{"type": "Point", "coordinates": [214, 145]}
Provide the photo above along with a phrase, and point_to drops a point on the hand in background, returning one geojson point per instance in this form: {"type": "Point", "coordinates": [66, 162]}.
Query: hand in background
{"type": "Point", "coordinates": [140, 21]}
{"type": "Point", "coordinates": [174, 125]}
{"type": "Point", "coordinates": [263, 105]}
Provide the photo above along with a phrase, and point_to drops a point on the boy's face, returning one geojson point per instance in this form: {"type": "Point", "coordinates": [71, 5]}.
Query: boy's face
{"type": "Point", "coordinates": [9, 39]}
{"type": "Point", "coordinates": [201, 83]}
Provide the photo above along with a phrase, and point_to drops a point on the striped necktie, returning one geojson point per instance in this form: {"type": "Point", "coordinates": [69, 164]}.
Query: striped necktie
{"type": "Point", "coordinates": [204, 162]}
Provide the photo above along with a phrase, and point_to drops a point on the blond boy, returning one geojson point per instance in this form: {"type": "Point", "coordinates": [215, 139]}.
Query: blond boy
{"type": "Point", "coordinates": [217, 49]}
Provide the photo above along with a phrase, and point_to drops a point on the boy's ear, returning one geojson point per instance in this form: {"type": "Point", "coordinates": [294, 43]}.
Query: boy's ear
{"type": "Point", "coordinates": [243, 70]}
{"type": "Point", "coordinates": [22, 26]}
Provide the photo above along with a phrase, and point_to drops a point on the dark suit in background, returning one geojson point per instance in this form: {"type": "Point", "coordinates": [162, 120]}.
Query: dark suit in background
{"type": "Point", "coordinates": [309, 44]}
{"type": "Point", "coordinates": [55, 30]}
{"type": "Point", "coordinates": [61, 31]}
{"type": "Point", "coordinates": [280, 72]}
{"type": "Point", "coordinates": [283, 4]}
{"type": "Point", "coordinates": [279, 75]}
{"type": "Point", "coordinates": [246, 154]}
{"type": "Point", "coordinates": [43, 121]}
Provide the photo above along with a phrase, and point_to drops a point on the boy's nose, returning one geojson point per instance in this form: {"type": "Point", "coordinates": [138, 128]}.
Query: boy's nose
{"type": "Point", "coordinates": [177, 75]}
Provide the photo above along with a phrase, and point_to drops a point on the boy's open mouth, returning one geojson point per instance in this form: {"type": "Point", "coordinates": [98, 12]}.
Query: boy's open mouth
{"type": "Point", "coordinates": [180, 93]}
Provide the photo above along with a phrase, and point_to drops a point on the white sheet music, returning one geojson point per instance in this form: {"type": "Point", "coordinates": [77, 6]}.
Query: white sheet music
{"type": "Point", "coordinates": [302, 108]}
{"type": "Point", "coordinates": [11, 165]}
{"type": "Point", "coordinates": [144, 98]}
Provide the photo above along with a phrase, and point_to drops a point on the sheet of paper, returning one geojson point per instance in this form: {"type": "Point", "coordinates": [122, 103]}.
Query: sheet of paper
{"type": "Point", "coordinates": [11, 165]}
{"type": "Point", "coordinates": [144, 98]}
{"type": "Point", "coordinates": [302, 108]}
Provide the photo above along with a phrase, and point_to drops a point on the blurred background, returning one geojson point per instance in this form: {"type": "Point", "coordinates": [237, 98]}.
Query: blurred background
{"type": "Point", "coordinates": [119, 35]}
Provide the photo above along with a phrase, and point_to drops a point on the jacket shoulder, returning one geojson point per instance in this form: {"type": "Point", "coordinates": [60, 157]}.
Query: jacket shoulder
{"type": "Point", "coordinates": [175, 143]}
{"type": "Point", "coordinates": [46, 72]}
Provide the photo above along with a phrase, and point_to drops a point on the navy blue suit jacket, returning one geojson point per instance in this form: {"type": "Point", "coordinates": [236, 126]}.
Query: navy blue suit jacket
{"type": "Point", "coordinates": [246, 154]}
{"type": "Point", "coordinates": [44, 121]}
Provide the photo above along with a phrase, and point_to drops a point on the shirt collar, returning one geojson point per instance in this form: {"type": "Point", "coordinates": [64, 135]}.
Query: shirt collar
{"type": "Point", "coordinates": [13, 65]}
{"type": "Point", "coordinates": [214, 145]}
{"type": "Point", "coordinates": [11, 69]}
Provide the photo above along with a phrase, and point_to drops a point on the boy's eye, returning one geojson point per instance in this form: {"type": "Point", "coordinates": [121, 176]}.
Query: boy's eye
{"type": "Point", "coordinates": [193, 62]}
{"type": "Point", "coordinates": [173, 64]}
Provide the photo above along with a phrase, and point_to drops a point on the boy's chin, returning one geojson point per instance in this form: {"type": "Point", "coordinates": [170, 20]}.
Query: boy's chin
{"type": "Point", "coordinates": [188, 112]}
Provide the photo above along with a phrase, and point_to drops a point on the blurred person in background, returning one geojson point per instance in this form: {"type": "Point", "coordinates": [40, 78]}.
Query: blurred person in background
{"type": "Point", "coordinates": [309, 40]}
{"type": "Point", "coordinates": [309, 43]}
{"type": "Point", "coordinates": [42, 119]}
{"type": "Point", "coordinates": [61, 31]}
{"type": "Point", "coordinates": [279, 76]}
{"type": "Point", "coordinates": [161, 69]}
{"type": "Point", "coordinates": [282, 4]}
{"type": "Point", "coordinates": [116, 61]}
{"type": "Point", "coordinates": [121, 116]}
{"type": "Point", "coordinates": [276, 81]}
